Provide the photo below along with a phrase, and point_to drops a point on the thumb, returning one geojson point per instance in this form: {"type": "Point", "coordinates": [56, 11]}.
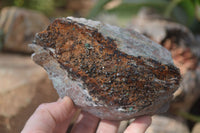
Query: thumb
{"type": "Point", "coordinates": [47, 116]}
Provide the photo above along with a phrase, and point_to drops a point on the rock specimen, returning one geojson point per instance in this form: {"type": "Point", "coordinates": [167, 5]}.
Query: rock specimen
{"type": "Point", "coordinates": [108, 71]}
{"type": "Point", "coordinates": [18, 27]}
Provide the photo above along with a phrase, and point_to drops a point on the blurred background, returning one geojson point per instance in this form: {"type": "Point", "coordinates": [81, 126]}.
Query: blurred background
{"type": "Point", "coordinates": [174, 24]}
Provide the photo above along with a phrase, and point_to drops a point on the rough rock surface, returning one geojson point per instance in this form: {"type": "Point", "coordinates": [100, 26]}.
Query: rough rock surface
{"type": "Point", "coordinates": [19, 26]}
{"type": "Point", "coordinates": [23, 86]}
{"type": "Point", "coordinates": [108, 71]}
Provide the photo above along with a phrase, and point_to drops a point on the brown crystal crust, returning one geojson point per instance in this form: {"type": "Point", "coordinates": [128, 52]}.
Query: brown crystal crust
{"type": "Point", "coordinates": [111, 77]}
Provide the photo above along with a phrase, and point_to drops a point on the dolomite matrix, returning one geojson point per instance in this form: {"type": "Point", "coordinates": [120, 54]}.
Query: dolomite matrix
{"type": "Point", "coordinates": [107, 71]}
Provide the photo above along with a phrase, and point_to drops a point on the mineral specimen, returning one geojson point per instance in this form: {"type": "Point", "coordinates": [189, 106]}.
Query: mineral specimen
{"type": "Point", "coordinates": [107, 71]}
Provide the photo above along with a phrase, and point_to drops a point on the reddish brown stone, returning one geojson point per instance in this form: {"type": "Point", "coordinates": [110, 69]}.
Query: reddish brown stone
{"type": "Point", "coordinates": [108, 71]}
{"type": "Point", "coordinates": [18, 27]}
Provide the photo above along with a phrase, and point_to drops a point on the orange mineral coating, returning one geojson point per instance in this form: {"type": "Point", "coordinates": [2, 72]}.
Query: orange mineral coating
{"type": "Point", "coordinates": [111, 77]}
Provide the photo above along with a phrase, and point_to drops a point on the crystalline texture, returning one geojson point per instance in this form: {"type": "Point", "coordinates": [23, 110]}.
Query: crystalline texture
{"type": "Point", "coordinates": [110, 72]}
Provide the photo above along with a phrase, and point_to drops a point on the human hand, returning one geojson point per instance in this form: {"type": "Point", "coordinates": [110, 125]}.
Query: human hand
{"type": "Point", "coordinates": [56, 117]}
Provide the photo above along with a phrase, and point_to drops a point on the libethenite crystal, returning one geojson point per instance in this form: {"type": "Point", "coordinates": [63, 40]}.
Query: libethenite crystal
{"type": "Point", "coordinates": [107, 71]}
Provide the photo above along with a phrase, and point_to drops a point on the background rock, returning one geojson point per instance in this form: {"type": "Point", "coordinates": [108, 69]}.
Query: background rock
{"type": "Point", "coordinates": [196, 128]}
{"type": "Point", "coordinates": [80, 7]}
{"type": "Point", "coordinates": [173, 36]}
{"type": "Point", "coordinates": [184, 48]}
{"type": "Point", "coordinates": [157, 28]}
{"type": "Point", "coordinates": [23, 86]}
{"type": "Point", "coordinates": [164, 124]}
{"type": "Point", "coordinates": [188, 92]}
{"type": "Point", "coordinates": [19, 27]}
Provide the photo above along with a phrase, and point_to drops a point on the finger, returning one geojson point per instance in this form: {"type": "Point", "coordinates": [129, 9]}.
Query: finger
{"type": "Point", "coordinates": [47, 116]}
{"type": "Point", "coordinates": [139, 125]}
{"type": "Point", "coordinates": [86, 123]}
{"type": "Point", "coordinates": [106, 126]}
